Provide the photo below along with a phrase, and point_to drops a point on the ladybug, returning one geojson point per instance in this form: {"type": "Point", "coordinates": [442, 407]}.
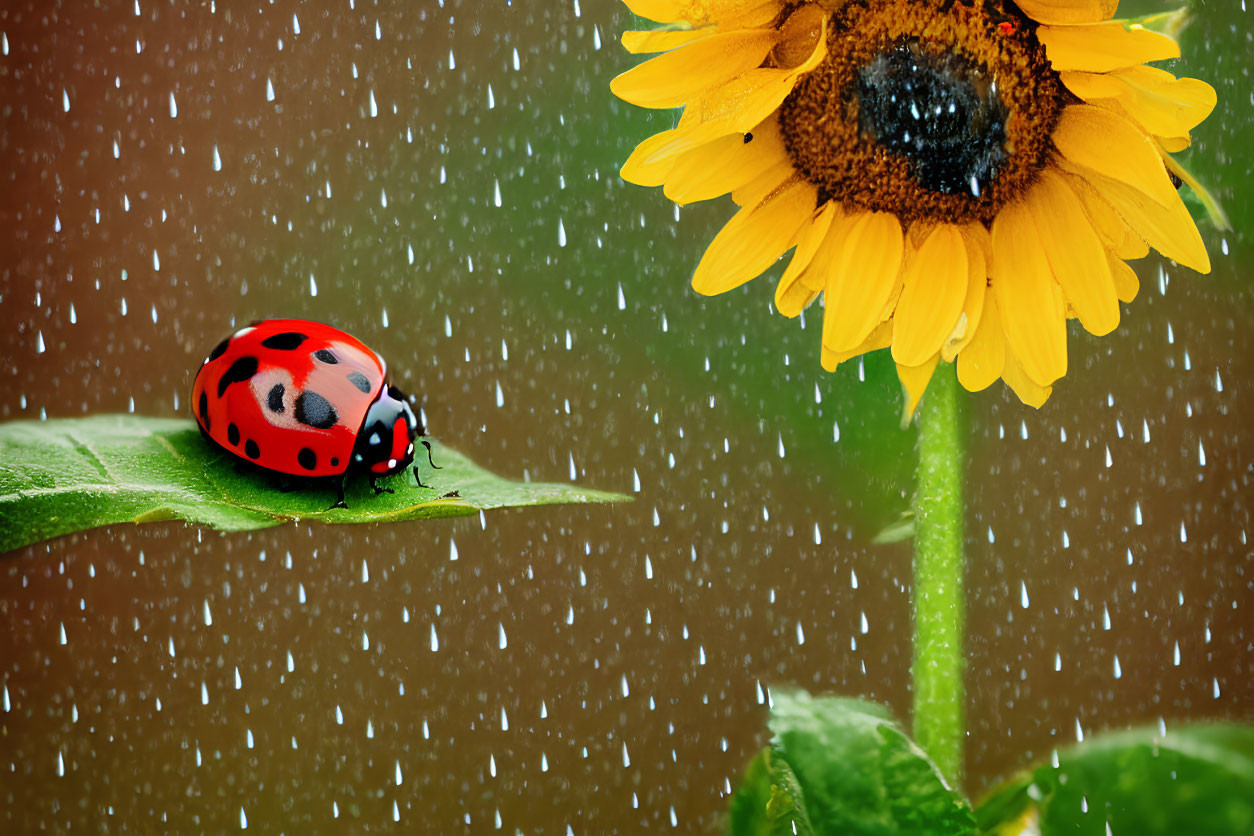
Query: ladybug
{"type": "Point", "coordinates": [304, 399]}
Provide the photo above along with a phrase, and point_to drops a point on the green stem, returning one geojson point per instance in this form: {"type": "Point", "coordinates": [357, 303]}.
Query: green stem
{"type": "Point", "coordinates": [939, 606]}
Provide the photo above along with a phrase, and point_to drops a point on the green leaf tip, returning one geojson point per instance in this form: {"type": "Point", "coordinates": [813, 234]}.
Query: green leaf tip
{"type": "Point", "coordinates": [842, 766]}
{"type": "Point", "coordinates": [72, 474]}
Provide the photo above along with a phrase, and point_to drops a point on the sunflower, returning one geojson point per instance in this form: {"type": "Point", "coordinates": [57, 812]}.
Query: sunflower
{"type": "Point", "coordinates": [956, 177]}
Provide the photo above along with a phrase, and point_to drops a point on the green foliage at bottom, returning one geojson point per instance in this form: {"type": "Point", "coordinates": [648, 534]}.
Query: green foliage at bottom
{"type": "Point", "coordinates": [840, 766]}
{"type": "Point", "coordinates": [1198, 781]}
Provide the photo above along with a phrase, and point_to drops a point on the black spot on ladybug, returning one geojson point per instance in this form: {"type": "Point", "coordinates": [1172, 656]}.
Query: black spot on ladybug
{"type": "Point", "coordinates": [326, 356]}
{"type": "Point", "coordinates": [308, 458]}
{"type": "Point", "coordinates": [218, 350]}
{"type": "Point", "coordinates": [287, 341]}
{"type": "Point", "coordinates": [251, 449]}
{"type": "Point", "coordinates": [232, 434]}
{"type": "Point", "coordinates": [315, 410]}
{"type": "Point", "coordinates": [274, 400]}
{"type": "Point", "coordinates": [241, 370]}
{"type": "Point", "coordinates": [360, 381]}
{"type": "Point", "coordinates": [203, 409]}
{"type": "Point", "coordinates": [335, 461]}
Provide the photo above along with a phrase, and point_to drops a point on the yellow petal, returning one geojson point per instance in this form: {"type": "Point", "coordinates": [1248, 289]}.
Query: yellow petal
{"type": "Point", "coordinates": [661, 40]}
{"type": "Point", "coordinates": [675, 77]}
{"type": "Point", "coordinates": [1102, 142]}
{"type": "Point", "coordinates": [1029, 391]}
{"type": "Point", "coordinates": [1175, 144]}
{"type": "Point", "coordinates": [863, 275]}
{"type": "Point", "coordinates": [1114, 231]}
{"type": "Point", "coordinates": [754, 238]}
{"type": "Point", "coordinates": [1103, 46]}
{"type": "Point", "coordinates": [1034, 317]}
{"type": "Point", "coordinates": [879, 338]}
{"type": "Point", "coordinates": [983, 359]}
{"type": "Point", "coordinates": [1126, 282]}
{"type": "Point", "coordinates": [793, 295]}
{"type": "Point", "coordinates": [725, 164]}
{"type": "Point", "coordinates": [727, 14]}
{"type": "Point", "coordinates": [1069, 11]}
{"type": "Point", "coordinates": [1155, 99]}
{"type": "Point", "coordinates": [973, 303]}
{"type": "Point", "coordinates": [1169, 229]}
{"type": "Point", "coordinates": [637, 170]}
{"type": "Point", "coordinates": [914, 380]}
{"type": "Point", "coordinates": [934, 286]}
{"type": "Point", "coordinates": [663, 11]}
{"type": "Point", "coordinates": [1075, 253]}
{"type": "Point", "coordinates": [740, 104]}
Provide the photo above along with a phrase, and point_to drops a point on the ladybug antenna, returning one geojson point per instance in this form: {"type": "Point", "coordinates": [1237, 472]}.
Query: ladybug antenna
{"type": "Point", "coordinates": [427, 444]}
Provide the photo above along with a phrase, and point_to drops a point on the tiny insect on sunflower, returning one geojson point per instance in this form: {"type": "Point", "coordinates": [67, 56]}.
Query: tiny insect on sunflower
{"type": "Point", "coordinates": [957, 178]}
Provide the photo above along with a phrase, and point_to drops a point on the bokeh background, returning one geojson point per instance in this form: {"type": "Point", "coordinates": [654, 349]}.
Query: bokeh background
{"type": "Point", "coordinates": [440, 179]}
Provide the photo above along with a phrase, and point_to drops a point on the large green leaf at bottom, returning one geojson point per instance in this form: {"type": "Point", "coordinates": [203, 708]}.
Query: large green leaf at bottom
{"type": "Point", "coordinates": [1197, 781]}
{"type": "Point", "coordinates": [841, 766]}
{"type": "Point", "coordinates": [72, 474]}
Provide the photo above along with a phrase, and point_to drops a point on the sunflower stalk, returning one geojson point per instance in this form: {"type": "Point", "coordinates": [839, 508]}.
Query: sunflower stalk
{"type": "Point", "coordinates": [939, 606]}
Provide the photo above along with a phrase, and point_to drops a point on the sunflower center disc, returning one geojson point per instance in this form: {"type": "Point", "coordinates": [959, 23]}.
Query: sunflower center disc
{"type": "Point", "coordinates": [927, 112]}
{"type": "Point", "coordinates": [939, 111]}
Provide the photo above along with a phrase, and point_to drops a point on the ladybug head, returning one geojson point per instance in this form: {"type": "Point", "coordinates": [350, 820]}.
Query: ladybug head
{"type": "Point", "coordinates": [385, 442]}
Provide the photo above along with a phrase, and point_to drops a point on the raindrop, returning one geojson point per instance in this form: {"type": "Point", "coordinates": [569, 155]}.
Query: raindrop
{"type": "Point", "coordinates": [501, 641]}
{"type": "Point", "coordinates": [491, 103]}
{"type": "Point", "coordinates": [1023, 594]}
{"type": "Point", "coordinates": [801, 634]}
{"type": "Point", "coordinates": [622, 299]}
{"type": "Point", "coordinates": [269, 89]}
{"type": "Point", "coordinates": [1118, 670]}
{"type": "Point", "coordinates": [243, 819]}
{"type": "Point", "coordinates": [39, 343]}
{"type": "Point", "coordinates": [1175, 655]}
{"type": "Point", "coordinates": [208, 615]}
{"type": "Point", "coordinates": [1201, 454]}
{"type": "Point", "coordinates": [496, 194]}
{"type": "Point", "coordinates": [517, 60]}
{"type": "Point", "coordinates": [626, 758]}
{"type": "Point", "coordinates": [313, 285]}
{"type": "Point", "coordinates": [435, 640]}
{"type": "Point", "coordinates": [65, 99]}
{"type": "Point", "coordinates": [561, 234]}
{"type": "Point", "coordinates": [1057, 661]}
{"type": "Point", "coordinates": [174, 108]}
{"type": "Point", "coordinates": [1109, 460]}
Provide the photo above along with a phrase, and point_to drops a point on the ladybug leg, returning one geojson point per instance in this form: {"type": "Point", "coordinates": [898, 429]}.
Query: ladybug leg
{"type": "Point", "coordinates": [418, 478]}
{"type": "Point", "coordinates": [378, 490]}
{"type": "Point", "coordinates": [340, 503]}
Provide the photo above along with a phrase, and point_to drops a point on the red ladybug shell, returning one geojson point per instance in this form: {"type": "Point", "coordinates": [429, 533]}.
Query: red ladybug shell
{"type": "Point", "coordinates": [288, 394]}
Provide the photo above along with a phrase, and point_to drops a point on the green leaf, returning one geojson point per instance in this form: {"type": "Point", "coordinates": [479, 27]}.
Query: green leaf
{"type": "Point", "coordinates": [1197, 780]}
{"type": "Point", "coordinates": [769, 801]}
{"type": "Point", "coordinates": [68, 475]}
{"type": "Point", "coordinates": [855, 770]}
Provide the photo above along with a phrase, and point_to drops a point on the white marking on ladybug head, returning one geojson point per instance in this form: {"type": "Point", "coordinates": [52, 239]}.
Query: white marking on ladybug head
{"type": "Point", "coordinates": [357, 457]}
{"type": "Point", "coordinates": [410, 451]}
{"type": "Point", "coordinates": [391, 463]}
{"type": "Point", "coordinates": [374, 439]}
